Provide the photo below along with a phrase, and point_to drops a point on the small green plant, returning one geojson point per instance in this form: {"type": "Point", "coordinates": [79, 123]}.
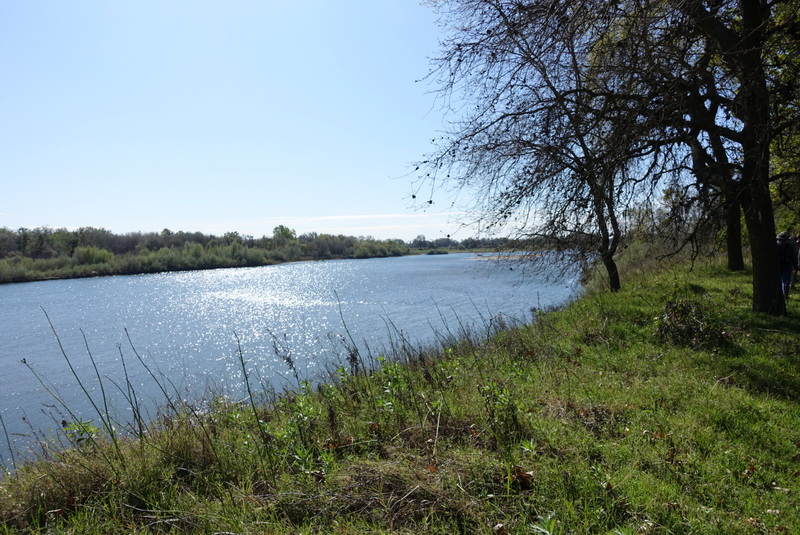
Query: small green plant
{"type": "Point", "coordinates": [503, 414]}
{"type": "Point", "coordinates": [394, 387]}
{"type": "Point", "coordinates": [80, 432]}
{"type": "Point", "coordinates": [303, 412]}
{"type": "Point", "coordinates": [547, 525]}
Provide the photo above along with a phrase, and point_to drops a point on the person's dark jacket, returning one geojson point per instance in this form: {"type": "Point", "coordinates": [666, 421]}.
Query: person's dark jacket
{"type": "Point", "coordinates": [787, 255]}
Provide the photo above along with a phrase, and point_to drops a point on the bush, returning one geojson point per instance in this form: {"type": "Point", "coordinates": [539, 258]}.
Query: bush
{"type": "Point", "coordinates": [689, 322]}
{"type": "Point", "coordinates": [92, 255]}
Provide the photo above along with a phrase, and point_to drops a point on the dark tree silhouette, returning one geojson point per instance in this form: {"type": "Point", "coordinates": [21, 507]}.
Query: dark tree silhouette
{"type": "Point", "coordinates": [569, 114]}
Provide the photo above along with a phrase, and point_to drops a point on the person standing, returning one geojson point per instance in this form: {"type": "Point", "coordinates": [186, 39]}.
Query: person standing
{"type": "Point", "coordinates": [787, 260]}
{"type": "Point", "coordinates": [797, 255]}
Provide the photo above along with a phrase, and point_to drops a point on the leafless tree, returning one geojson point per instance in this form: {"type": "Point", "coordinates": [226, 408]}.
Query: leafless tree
{"type": "Point", "coordinates": [551, 151]}
{"type": "Point", "coordinates": [568, 113]}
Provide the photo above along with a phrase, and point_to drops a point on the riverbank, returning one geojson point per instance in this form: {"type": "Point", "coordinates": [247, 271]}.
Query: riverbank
{"type": "Point", "coordinates": [665, 408]}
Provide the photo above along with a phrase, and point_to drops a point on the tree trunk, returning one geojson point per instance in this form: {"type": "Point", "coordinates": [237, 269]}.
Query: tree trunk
{"type": "Point", "coordinates": [756, 133]}
{"type": "Point", "coordinates": [741, 47]}
{"type": "Point", "coordinates": [733, 233]}
{"type": "Point", "coordinates": [607, 223]}
{"type": "Point", "coordinates": [767, 294]}
{"type": "Point", "coordinates": [613, 272]}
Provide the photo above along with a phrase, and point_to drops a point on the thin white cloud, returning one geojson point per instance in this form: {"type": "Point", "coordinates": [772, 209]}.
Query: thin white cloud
{"type": "Point", "coordinates": [382, 226]}
{"type": "Point", "coordinates": [376, 217]}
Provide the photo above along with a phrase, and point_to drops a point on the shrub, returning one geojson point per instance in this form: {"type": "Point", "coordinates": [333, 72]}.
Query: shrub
{"type": "Point", "coordinates": [92, 255]}
{"type": "Point", "coordinates": [689, 322]}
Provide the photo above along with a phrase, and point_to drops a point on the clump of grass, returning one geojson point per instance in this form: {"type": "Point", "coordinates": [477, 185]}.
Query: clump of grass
{"type": "Point", "coordinates": [621, 413]}
{"type": "Point", "coordinates": [691, 322]}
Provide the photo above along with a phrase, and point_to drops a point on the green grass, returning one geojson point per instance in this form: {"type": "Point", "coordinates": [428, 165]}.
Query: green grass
{"type": "Point", "coordinates": [665, 408]}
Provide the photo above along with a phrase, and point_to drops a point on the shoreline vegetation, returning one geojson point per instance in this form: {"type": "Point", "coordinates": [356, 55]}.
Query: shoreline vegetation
{"type": "Point", "coordinates": [666, 407]}
{"type": "Point", "coordinates": [28, 255]}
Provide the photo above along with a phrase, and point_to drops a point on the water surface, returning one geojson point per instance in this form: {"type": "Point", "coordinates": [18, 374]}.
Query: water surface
{"type": "Point", "coordinates": [190, 326]}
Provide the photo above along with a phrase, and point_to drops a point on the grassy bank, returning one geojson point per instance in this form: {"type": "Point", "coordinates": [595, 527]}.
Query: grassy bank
{"type": "Point", "coordinates": [665, 408]}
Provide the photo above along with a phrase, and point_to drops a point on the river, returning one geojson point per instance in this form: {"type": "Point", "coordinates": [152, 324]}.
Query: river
{"type": "Point", "coordinates": [189, 327]}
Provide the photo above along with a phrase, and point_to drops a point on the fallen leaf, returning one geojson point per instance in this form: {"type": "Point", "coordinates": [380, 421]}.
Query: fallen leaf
{"type": "Point", "coordinates": [524, 478]}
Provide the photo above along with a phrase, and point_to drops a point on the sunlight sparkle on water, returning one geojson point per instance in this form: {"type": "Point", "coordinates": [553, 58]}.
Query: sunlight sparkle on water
{"type": "Point", "coordinates": [190, 326]}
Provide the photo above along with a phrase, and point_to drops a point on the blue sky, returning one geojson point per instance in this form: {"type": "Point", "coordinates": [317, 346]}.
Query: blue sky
{"type": "Point", "coordinates": [218, 116]}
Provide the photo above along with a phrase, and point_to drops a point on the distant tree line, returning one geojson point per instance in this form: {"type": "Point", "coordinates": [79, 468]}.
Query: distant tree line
{"type": "Point", "coordinates": [46, 253]}
{"type": "Point", "coordinates": [487, 243]}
